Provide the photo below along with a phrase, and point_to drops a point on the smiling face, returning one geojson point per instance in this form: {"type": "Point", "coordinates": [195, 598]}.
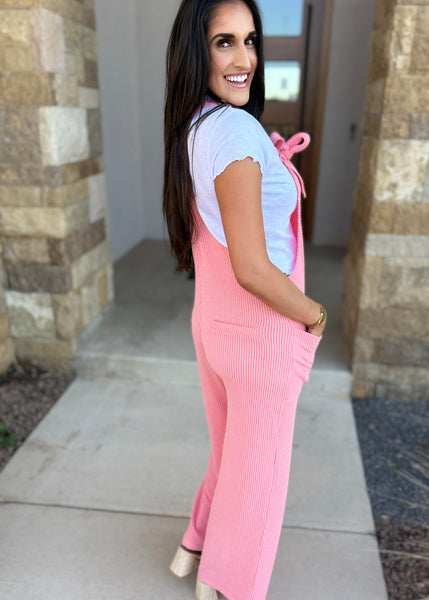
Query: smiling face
{"type": "Point", "coordinates": [231, 40]}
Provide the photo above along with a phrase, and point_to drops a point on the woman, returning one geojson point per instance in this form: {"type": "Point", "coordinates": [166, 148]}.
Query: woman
{"type": "Point", "coordinates": [232, 205]}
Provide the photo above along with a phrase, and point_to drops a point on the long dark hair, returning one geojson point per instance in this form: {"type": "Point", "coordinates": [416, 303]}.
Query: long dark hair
{"type": "Point", "coordinates": [188, 70]}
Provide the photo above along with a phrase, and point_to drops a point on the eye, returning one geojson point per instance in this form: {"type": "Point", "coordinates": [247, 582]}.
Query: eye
{"type": "Point", "coordinates": [251, 41]}
{"type": "Point", "coordinates": [223, 43]}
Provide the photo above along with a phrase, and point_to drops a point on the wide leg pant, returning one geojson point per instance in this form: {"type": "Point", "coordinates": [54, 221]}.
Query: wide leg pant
{"type": "Point", "coordinates": [252, 363]}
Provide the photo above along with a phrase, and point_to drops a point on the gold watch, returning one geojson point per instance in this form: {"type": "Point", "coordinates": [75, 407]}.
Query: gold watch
{"type": "Point", "coordinates": [322, 319]}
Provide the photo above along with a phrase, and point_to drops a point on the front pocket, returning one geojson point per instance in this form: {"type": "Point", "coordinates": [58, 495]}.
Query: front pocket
{"type": "Point", "coordinates": [304, 348]}
{"type": "Point", "coordinates": [218, 326]}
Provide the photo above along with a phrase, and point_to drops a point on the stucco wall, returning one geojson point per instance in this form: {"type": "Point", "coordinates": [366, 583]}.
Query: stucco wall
{"type": "Point", "coordinates": [347, 74]}
{"type": "Point", "coordinates": [121, 115]}
{"type": "Point", "coordinates": [153, 21]}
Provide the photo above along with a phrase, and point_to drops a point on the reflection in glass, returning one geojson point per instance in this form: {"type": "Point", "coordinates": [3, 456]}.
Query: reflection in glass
{"type": "Point", "coordinates": [282, 80]}
{"type": "Point", "coordinates": [282, 17]}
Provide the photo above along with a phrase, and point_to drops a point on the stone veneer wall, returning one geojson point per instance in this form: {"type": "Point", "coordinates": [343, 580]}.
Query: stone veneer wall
{"type": "Point", "coordinates": [386, 274]}
{"type": "Point", "coordinates": [55, 266]}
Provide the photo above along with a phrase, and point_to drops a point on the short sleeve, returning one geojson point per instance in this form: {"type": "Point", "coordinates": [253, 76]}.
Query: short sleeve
{"type": "Point", "coordinates": [235, 135]}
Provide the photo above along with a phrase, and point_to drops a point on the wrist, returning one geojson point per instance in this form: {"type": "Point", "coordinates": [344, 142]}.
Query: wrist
{"type": "Point", "coordinates": [320, 320]}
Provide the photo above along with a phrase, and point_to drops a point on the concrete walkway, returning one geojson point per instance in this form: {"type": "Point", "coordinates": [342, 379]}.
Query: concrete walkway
{"type": "Point", "coordinates": [95, 502]}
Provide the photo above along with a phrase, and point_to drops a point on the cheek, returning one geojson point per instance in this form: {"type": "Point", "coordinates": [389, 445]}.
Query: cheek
{"type": "Point", "coordinates": [216, 65]}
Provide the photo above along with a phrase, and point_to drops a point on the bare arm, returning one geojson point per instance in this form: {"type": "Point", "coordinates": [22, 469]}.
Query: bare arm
{"type": "Point", "coordinates": [238, 190]}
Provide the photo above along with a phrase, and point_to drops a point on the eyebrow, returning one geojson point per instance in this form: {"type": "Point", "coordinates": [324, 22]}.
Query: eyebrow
{"type": "Point", "coordinates": [230, 35]}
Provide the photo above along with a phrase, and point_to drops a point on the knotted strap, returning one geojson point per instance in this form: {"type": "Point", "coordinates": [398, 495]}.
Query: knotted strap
{"type": "Point", "coordinates": [287, 148]}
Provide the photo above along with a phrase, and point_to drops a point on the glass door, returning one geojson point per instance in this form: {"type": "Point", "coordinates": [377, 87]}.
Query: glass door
{"type": "Point", "coordinates": [295, 46]}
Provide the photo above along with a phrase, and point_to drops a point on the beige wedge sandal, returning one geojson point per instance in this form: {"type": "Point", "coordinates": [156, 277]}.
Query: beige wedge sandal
{"type": "Point", "coordinates": [184, 561]}
{"type": "Point", "coordinates": [205, 592]}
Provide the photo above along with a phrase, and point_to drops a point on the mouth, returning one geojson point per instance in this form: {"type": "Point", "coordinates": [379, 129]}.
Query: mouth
{"type": "Point", "coordinates": [239, 80]}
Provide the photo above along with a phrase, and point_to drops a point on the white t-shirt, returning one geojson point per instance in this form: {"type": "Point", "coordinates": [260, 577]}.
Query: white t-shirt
{"type": "Point", "coordinates": [231, 134]}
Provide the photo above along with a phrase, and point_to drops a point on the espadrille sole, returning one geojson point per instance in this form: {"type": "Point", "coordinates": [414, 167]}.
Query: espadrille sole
{"type": "Point", "coordinates": [184, 562]}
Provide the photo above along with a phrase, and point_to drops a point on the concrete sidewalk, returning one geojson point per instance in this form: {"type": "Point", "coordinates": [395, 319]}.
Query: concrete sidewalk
{"type": "Point", "coordinates": [95, 502]}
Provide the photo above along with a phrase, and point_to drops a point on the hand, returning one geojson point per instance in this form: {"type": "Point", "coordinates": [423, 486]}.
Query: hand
{"type": "Point", "coordinates": [318, 330]}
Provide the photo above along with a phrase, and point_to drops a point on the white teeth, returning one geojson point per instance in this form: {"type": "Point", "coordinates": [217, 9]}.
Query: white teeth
{"type": "Point", "coordinates": [236, 78]}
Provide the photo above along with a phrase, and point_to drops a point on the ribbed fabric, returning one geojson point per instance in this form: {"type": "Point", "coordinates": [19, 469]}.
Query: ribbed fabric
{"type": "Point", "coordinates": [252, 362]}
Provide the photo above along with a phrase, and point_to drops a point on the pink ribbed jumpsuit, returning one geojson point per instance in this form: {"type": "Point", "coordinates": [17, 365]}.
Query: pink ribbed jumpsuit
{"type": "Point", "coordinates": [252, 362]}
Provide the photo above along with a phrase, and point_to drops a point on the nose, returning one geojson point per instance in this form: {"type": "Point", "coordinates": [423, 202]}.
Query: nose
{"type": "Point", "coordinates": [242, 58]}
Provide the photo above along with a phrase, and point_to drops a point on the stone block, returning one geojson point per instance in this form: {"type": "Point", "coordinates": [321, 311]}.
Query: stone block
{"type": "Point", "coordinates": [89, 44]}
{"type": "Point", "coordinates": [91, 167]}
{"type": "Point", "coordinates": [66, 90]}
{"type": "Point", "coordinates": [65, 251]}
{"type": "Point", "coordinates": [49, 279]}
{"type": "Point", "coordinates": [368, 163]}
{"type": "Point", "coordinates": [74, 11]}
{"type": "Point", "coordinates": [363, 201]}
{"type": "Point", "coordinates": [19, 195]}
{"type": "Point", "coordinates": [64, 195]}
{"type": "Point", "coordinates": [90, 302]}
{"type": "Point", "coordinates": [7, 355]}
{"type": "Point", "coordinates": [103, 287]}
{"type": "Point", "coordinates": [414, 353]}
{"type": "Point", "coordinates": [97, 197]}
{"type": "Point", "coordinates": [395, 127]}
{"type": "Point", "coordinates": [26, 251]}
{"type": "Point", "coordinates": [401, 391]}
{"type": "Point", "coordinates": [90, 73]}
{"type": "Point", "coordinates": [47, 40]}
{"type": "Point", "coordinates": [374, 98]}
{"type": "Point", "coordinates": [89, 98]}
{"type": "Point", "coordinates": [413, 2]}
{"type": "Point", "coordinates": [85, 266]}
{"type": "Point", "coordinates": [72, 37]}
{"type": "Point", "coordinates": [364, 350]}
{"type": "Point", "coordinates": [371, 274]}
{"type": "Point", "coordinates": [46, 354]}
{"type": "Point", "coordinates": [411, 219]}
{"type": "Point", "coordinates": [401, 323]}
{"type": "Point", "coordinates": [422, 20]}
{"type": "Point", "coordinates": [363, 388]}
{"type": "Point", "coordinates": [32, 221]}
{"type": "Point", "coordinates": [22, 174]}
{"type": "Point", "coordinates": [401, 246]}
{"type": "Point", "coordinates": [15, 28]}
{"type": "Point", "coordinates": [49, 222]}
{"type": "Point", "coordinates": [68, 315]}
{"type": "Point", "coordinates": [79, 69]}
{"type": "Point", "coordinates": [419, 127]}
{"type": "Point", "coordinates": [110, 283]}
{"type": "Point", "coordinates": [15, 58]}
{"type": "Point", "coordinates": [4, 328]}
{"type": "Point", "coordinates": [382, 217]}
{"type": "Point", "coordinates": [379, 52]}
{"type": "Point", "coordinates": [26, 88]}
{"type": "Point", "coordinates": [405, 285]}
{"type": "Point", "coordinates": [420, 54]}
{"type": "Point", "coordinates": [18, 4]}
{"type": "Point", "coordinates": [396, 374]}
{"type": "Point", "coordinates": [30, 315]}
{"type": "Point", "coordinates": [401, 42]}
{"type": "Point", "coordinates": [401, 170]}
{"type": "Point", "coordinates": [19, 128]}
{"type": "Point", "coordinates": [383, 11]}
{"type": "Point", "coordinates": [55, 176]}
{"type": "Point", "coordinates": [426, 185]}
{"type": "Point", "coordinates": [95, 134]}
{"type": "Point", "coordinates": [406, 94]}
{"type": "Point", "coordinates": [371, 125]}
{"type": "Point", "coordinates": [63, 135]}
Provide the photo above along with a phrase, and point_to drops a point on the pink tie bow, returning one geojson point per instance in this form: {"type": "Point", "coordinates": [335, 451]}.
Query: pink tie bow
{"type": "Point", "coordinates": [287, 148]}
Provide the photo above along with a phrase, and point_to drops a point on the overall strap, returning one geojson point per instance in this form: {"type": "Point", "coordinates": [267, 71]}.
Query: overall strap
{"type": "Point", "coordinates": [287, 148]}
